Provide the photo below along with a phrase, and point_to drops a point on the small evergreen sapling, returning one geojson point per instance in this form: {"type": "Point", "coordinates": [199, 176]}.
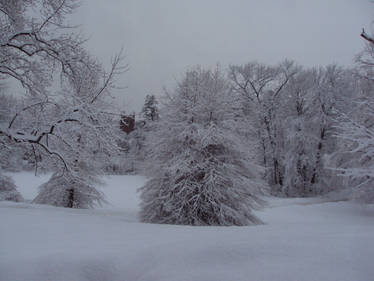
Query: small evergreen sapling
{"type": "Point", "coordinates": [150, 108]}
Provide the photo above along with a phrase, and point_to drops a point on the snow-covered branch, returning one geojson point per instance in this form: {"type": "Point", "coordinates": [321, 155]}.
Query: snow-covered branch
{"type": "Point", "coordinates": [367, 37]}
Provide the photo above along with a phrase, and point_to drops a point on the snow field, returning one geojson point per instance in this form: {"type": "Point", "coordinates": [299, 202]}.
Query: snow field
{"type": "Point", "coordinates": [302, 239]}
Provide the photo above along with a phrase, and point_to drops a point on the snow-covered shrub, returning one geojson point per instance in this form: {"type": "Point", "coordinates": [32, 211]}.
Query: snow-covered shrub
{"type": "Point", "coordinates": [8, 190]}
{"type": "Point", "coordinates": [68, 191]}
{"type": "Point", "coordinates": [199, 167]}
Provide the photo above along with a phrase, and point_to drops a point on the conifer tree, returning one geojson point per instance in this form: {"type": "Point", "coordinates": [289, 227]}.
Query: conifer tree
{"type": "Point", "coordinates": [150, 108]}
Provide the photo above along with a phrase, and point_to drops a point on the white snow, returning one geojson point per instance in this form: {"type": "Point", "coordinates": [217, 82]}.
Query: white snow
{"type": "Point", "coordinates": [302, 239]}
{"type": "Point", "coordinates": [27, 183]}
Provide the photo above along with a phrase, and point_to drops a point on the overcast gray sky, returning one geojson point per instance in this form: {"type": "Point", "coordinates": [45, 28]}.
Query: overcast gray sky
{"type": "Point", "coordinates": [163, 38]}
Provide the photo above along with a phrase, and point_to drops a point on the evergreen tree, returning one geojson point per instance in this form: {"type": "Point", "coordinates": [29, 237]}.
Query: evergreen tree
{"type": "Point", "coordinates": [150, 108]}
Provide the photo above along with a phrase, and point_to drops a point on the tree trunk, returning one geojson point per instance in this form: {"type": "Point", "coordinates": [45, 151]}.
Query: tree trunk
{"type": "Point", "coordinates": [318, 156]}
{"type": "Point", "coordinates": [70, 198]}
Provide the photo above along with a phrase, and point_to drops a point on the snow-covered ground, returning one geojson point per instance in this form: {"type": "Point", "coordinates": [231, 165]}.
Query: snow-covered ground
{"type": "Point", "coordinates": [302, 239]}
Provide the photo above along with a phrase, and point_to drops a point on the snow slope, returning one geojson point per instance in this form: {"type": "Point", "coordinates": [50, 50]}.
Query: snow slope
{"type": "Point", "coordinates": [301, 239]}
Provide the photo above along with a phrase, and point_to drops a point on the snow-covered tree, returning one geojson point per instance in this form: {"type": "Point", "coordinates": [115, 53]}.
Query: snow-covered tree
{"type": "Point", "coordinates": [294, 112]}
{"type": "Point", "coordinates": [354, 128]}
{"type": "Point", "coordinates": [150, 108]}
{"type": "Point", "coordinates": [262, 88]}
{"type": "Point", "coordinates": [308, 129]}
{"type": "Point", "coordinates": [34, 43]}
{"type": "Point", "coordinates": [201, 172]}
{"type": "Point", "coordinates": [69, 191]}
{"type": "Point", "coordinates": [65, 115]}
{"type": "Point", "coordinates": [90, 136]}
{"type": "Point", "coordinates": [299, 138]}
{"type": "Point", "coordinates": [12, 157]}
{"type": "Point", "coordinates": [355, 133]}
{"type": "Point", "coordinates": [8, 189]}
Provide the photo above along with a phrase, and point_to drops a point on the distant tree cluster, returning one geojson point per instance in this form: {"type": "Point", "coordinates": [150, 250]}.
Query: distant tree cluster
{"type": "Point", "coordinates": [310, 130]}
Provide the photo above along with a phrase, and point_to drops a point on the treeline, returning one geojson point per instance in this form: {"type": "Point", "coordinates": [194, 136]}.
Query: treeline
{"type": "Point", "coordinates": [225, 137]}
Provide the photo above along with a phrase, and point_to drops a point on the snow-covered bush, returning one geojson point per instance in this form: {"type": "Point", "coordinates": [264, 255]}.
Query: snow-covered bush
{"type": "Point", "coordinates": [8, 190]}
{"type": "Point", "coordinates": [69, 191]}
{"type": "Point", "coordinates": [200, 170]}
